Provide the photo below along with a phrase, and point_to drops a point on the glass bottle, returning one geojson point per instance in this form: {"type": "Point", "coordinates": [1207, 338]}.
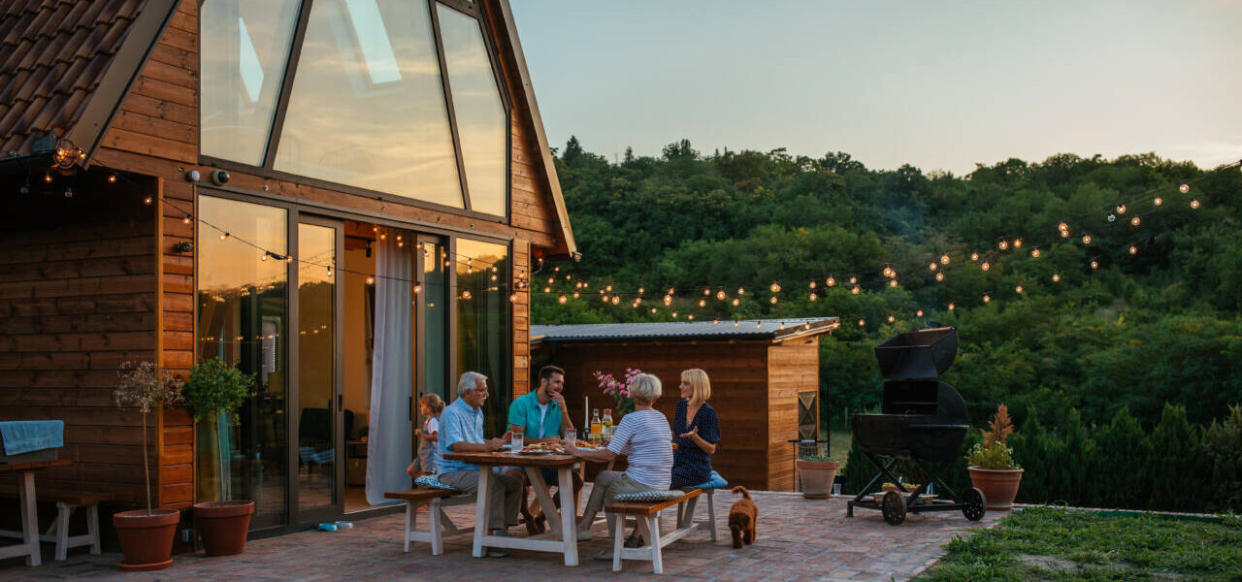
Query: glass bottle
{"type": "Point", "coordinates": [607, 422]}
{"type": "Point", "coordinates": [597, 427]}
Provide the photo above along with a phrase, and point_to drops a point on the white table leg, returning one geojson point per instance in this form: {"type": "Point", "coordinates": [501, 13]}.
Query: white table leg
{"type": "Point", "coordinates": [30, 518]}
{"type": "Point", "coordinates": [569, 530]}
{"type": "Point", "coordinates": [481, 506]}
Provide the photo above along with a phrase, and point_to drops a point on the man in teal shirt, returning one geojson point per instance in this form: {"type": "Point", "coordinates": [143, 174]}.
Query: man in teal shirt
{"type": "Point", "coordinates": [543, 415]}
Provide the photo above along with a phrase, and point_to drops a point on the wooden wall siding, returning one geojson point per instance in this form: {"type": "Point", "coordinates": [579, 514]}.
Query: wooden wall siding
{"type": "Point", "coordinates": [521, 322]}
{"type": "Point", "coordinates": [155, 132]}
{"type": "Point", "coordinates": [77, 298]}
{"type": "Point", "coordinates": [792, 368]}
{"type": "Point", "coordinates": [752, 449]}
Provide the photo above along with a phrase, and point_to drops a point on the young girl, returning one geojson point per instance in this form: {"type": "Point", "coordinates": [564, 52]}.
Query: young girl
{"type": "Point", "coordinates": [428, 462]}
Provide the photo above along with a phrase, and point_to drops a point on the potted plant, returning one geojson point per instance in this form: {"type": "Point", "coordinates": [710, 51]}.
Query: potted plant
{"type": "Point", "coordinates": [817, 470]}
{"type": "Point", "coordinates": [213, 393]}
{"type": "Point", "coordinates": [146, 535]}
{"type": "Point", "coordinates": [991, 465]}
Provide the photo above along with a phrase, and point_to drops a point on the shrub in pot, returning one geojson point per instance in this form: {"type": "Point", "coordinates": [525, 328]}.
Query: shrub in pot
{"type": "Point", "coordinates": [991, 465]}
{"type": "Point", "coordinates": [213, 393]}
{"type": "Point", "coordinates": [146, 535]}
{"type": "Point", "coordinates": [817, 471]}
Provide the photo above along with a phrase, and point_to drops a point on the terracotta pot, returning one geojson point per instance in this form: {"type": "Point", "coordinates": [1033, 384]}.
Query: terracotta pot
{"type": "Point", "coordinates": [223, 525]}
{"type": "Point", "coordinates": [146, 539]}
{"type": "Point", "coordinates": [999, 486]}
{"type": "Point", "coordinates": [817, 478]}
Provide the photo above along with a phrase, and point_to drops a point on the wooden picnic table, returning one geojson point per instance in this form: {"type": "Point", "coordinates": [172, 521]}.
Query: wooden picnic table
{"type": "Point", "coordinates": [563, 538]}
{"type": "Point", "coordinates": [29, 546]}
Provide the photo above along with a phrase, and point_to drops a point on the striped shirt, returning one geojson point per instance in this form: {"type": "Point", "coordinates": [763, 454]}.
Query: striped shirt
{"type": "Point", "coordinates": [644, 436]}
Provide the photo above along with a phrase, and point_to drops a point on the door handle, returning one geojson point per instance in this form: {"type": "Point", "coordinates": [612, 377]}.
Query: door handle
{"type": "Point", "coordinates": [340, 402]}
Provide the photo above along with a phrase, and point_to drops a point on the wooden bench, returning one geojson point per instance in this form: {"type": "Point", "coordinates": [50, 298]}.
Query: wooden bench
{"type": "Point", "coordinates": [648, 516]}
{"type": "Point", "coordinates": [66, 503]}
{"type": "Point", "coordinates": [441, 525]}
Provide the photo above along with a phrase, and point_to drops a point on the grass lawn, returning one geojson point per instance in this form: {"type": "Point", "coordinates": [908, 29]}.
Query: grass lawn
{"type": "Point", "coordinates": [1061, 545]}
{"type": "Point", "coordinates": [839, 442]}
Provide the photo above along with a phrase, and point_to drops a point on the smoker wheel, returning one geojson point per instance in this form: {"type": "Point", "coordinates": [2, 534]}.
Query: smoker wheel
{"type": "Point", "coordinates": [974, 505]}
{"type": "Point", "coordinates": [893, 506]}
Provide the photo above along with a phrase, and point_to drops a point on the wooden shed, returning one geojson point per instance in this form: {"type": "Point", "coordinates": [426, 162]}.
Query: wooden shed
{"type": "Point", "coordinates": [764, 376]}
{"type": "Point", "coordinates": [275, 183]}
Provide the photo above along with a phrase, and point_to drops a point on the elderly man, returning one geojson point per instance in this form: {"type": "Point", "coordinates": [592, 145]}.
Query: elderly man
{"type": "Point", "coordinates": [461, 431]}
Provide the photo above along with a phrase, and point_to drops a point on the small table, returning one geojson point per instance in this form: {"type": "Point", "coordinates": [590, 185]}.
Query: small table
{"type": "Point", "coordinates": [564, 536]}
{"type": "Point", "coordinates": [29, 546]}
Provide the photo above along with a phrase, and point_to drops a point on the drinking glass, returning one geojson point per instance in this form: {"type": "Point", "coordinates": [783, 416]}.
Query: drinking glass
{"type": "Point", "coordinates": [571, 435]}
{"type": "Point", "coordinates": [518, 439]}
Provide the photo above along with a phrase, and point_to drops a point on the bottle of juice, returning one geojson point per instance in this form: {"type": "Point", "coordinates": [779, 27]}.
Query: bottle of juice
{"type": "Point", "coordinates": [597, 427]}
{"type": "Point", "coordinates": [607, 422]}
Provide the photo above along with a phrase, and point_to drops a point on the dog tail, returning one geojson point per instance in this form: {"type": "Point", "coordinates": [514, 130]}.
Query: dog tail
{"type": "Point", "coordinates": [742, 490]}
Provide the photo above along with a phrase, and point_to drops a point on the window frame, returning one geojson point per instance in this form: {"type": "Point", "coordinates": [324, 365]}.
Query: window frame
{"type": "Point", "coordinates": [267, 170]}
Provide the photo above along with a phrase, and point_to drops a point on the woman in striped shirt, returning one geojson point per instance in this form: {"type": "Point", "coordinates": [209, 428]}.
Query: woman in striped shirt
{"type": "Point", "coordinates": [645, 438]}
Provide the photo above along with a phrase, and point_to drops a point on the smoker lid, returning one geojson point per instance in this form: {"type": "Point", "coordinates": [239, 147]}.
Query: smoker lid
{"type": "Point", "coordinates": [918, 355]}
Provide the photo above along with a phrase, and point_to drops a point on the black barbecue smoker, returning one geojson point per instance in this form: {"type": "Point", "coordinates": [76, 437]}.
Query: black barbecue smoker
{"type": "Point", "coordinates": [922, 420]}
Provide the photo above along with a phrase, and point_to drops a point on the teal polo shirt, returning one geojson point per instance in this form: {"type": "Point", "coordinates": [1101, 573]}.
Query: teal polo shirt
{"type": "Point", "coordinates": [525, 412]}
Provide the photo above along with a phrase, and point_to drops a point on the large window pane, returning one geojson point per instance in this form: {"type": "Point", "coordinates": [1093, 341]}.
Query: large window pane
{"type": "Point", "coordinates": [242, 318]}
{"type": "Point", "coordinates": [435, 318]}
{"type": "Point", "coordinates": [367, 107]}
{"type": "Point", "coordinates": [481, 124]}
{"type": "Point", "coordinates": [317, 367]}
{"type": "Point", "coordinates": [483, 335]}
{"type": "Point", "coordinates": [245, 47]}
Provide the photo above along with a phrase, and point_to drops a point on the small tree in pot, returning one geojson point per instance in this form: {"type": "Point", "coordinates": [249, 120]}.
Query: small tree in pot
{"type": "Point", "coordinates": [992, 468]}
{"type": "Point", "coordinates": [146, 535]}
{"type": "Point", "coordinates": [213, 393]}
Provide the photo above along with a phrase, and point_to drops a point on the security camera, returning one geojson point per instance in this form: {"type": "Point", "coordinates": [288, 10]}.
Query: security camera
{"type": "Point", "coordinates": [220, 177]}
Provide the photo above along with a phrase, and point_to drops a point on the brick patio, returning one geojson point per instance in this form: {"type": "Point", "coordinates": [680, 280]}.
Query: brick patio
{"type": "Point", "coordinates": [798, 539]}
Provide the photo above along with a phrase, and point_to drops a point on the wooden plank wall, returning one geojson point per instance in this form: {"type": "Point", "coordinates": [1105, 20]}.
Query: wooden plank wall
{"type": "Point", "coordinates": [739, 371]}
{"type": "Point", "coordinates": [155, 132]}
{"type": "Point", "coordinates": [793, 367]}
{"type": "Point", "coordinates": [77, 298]}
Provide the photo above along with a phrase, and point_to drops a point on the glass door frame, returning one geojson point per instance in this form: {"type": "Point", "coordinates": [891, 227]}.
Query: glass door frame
{"type": "Point", "coordinates": [297, 515]}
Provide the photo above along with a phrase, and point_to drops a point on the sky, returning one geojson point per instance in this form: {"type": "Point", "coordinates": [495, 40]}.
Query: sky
{"type": "Point", "coordinates": [941, 85]}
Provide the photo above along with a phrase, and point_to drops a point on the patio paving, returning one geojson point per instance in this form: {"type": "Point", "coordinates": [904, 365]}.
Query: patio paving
{"type": "Point", "coordinates": [798, 539]}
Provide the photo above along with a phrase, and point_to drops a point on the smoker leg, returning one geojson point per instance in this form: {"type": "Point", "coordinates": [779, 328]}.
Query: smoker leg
{"type": "Point", "coordinates": [849, 509]}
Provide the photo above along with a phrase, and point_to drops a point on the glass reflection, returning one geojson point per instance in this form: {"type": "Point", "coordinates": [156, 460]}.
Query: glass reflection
{"type": "Point", "coordinates": [317, 425]}
{"type": "Point", "coordinates": [435, 322]}
{"type": "Point", "coordinates": [367, 106]}
{"type": "Point", "coordinates": [242, 314]}
{"type": "Point", "coordinates": [483, 335]}
{"type": "Point", "coordinates": [481, 123]}
{"type": "Point", "coordinates": [245, 47]}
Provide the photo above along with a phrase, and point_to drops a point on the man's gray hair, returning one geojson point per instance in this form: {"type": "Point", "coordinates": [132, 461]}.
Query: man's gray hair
{"type": "Point", "coordinates": [469, 381]}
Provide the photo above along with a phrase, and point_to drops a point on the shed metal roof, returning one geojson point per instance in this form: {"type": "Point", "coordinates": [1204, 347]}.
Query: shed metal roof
{"type": "Point", "coordinates": [771, 329]}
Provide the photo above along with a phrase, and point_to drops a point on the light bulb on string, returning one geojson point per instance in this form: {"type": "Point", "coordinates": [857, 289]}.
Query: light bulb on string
{"type": "Point", "coordinates": [1111, 217]}
{"type": "Point", "coordinates": [812, 284]}
{"type": "Point", "coordinates": [674, 315]}
{"type": "Point", "coordinates": [862, 323]}
{"type": "Point", "coordinates": [1017, 243]}
{"type": "Point", "coordinates": [918, 313]}
{"type": "Point", "coordinates": [986, 266]}
{"type": "Point", "coordinates": [782, 325]}
{"type": "Point", "coordinates": [224, 235]}
{"type": "Point", "coordinates": [1095, 265]}
{"type": "Point", "coordinates": [641, 290]}
{"type": "Point", "coordinates": [716, 321]}
{"type": "Point", "coordinates": [562, 299]}
{"type": "Point", "coordinates": [892, 282]}
{"type": "Point", "coordinates": [1056, 277]}
{"type": "Point", "coordinates": [148, 200]}
{"type": "Point", "coordinates": [653, 310]}
{"type": "Point", "coordinates": [736, 301]}
{"type": "Point", "coordinates": [974, 256]}
{"type": "Point", "coordinates": [1121, 209]}
{"type": "Point", "coordinates": [576, 295]}
{"type": "Point", "coordinates": [187, 219]}
{"type": "Point", "coordinates": [987, 298]}
{"type": "Point", "coordinates": [853, 280]}
{"type": "Point", "coordinates": [830, 282]}
{"type": "Point", "coordinates": [466, 294]}
{"type": "Point", "coordinates": [638, 301]}
{"type": "Point", "coordinates": [1184, 188]}
{"type": "Point", "coordinates": [736, 323]}
{"type": "Point", "coordinates": [707, 291]}
{"type": "Point", "coordinates": [813, 296]}
{"type": "Point", "coordinates": [1035, 253]}
{"type": "Point", "coordinates": [952, 307]}
{"type": "Point", "coordinates": [616, 300]}
{"type": "Point", "coordinates": [1062, 226]}
{"type": "Point", "coordinates": [513, 297]}
{"type": "Point", "coordinates": [1158, 201]}
{"type": "Point", "coordinates": [1194, 203]}
{"type": "Point", "coordinates": [741, 291]}
{"type": "Point", "coordinates": [891, 319]}
{"type": "Point", "coordinates": [702, 303]}
{"type": "Point", "coordinates": [855, 290]}
{"type": "Point", "coordinates": [551, 280]}
{"type": "Point", "coordinates": [668, 299]}
{"type": "Point", "coordinates": [1086, 239]}
{"type": "Point", "coordinates": [1003, 245]}
{"type": "Point", "coordinates": [720, 295]}
{"type": "Point", "coordinates": [263, 257]}
{"type": "Point", "coordinates": [608, 288]}
{"type": "Point", "coordinates": [1133, 250]}
{"type": "Point", "coordinates": [670, 291]}
{"type": "Point", "coordinates": [370, 280]}
{"type": "Point", "coordinates": [932, 266]}
{"type": "Point", "coordinates": [772, 300]}
{"type": "Point", "coordinates": [944, 259]}
{"type": "Point", "coordinates": [757, 325]}
{"type": "Point", "coordinates": [775, 287]}
{"type": "Point", "coordinates": [1018, 289]}
{"type": "Point", "coordinates": [690, 317]}
{"type": "Point", "coordinates": [1136, 221]}
{"type": "Point", "coordinates": [939, 277]}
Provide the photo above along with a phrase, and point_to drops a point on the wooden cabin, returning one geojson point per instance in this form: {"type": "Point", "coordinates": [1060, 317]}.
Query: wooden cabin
{"type": "Point", "coordinates": [764, 378]}
{"type": "Point", "coordinates": [345, 199]}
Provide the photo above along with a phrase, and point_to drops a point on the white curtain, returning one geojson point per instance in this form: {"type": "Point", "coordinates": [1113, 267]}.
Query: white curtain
{"type": "Point", "coordinates": [389, 447]}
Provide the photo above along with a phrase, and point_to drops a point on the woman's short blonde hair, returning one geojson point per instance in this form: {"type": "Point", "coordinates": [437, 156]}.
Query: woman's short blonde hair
{"type": "Point", "coordinates": [645, 388]}
{"type": "Point", "coordinates": [701, 387]}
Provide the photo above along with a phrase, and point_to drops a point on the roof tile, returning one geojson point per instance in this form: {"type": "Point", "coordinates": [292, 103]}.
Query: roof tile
{"type": "Point", "coordinates": [53, 54]}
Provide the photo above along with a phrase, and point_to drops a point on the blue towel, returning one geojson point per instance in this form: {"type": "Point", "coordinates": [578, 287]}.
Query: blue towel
{"type": "Point", "coordinates": [24, 436]}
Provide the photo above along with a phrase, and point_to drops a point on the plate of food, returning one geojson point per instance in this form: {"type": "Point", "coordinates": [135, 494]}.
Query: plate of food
{"type": "Point", "coordinates": [542, 449]}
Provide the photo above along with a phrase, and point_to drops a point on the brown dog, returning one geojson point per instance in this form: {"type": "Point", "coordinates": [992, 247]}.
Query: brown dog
{"type": "Point", "coordinates": [742, 518]}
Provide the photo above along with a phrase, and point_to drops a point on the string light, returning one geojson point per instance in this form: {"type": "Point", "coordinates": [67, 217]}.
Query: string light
{"type": "Point", "coordinates": [706, 291]}
{"type": "Point", "coordinates": [853, 280]}
{"type": "Point", "coordinates": [1035, 253]}
{"type": "Point", "coordinates": [513, 297]}
{"type": "Point", "coordinates": [736, 302]}
{"type": "Point", "coordinates": [758, 325]}
{"type": "Point", "coordinates": [812, 284]}
{"type": "Point", "coordinates": [720, 295]}
{"type": "Point", "coordinates": [987, 298]}
{"type": "Point", "coordinates": [1184, 188]}
{"type": "Point", "coordinates": [862, 323]}
{"type": "Point", "coordinates": [813, 296]}
{"type": "Point", "coordinates": [640, 289]}
{"type": "Point", "coordinates": [562, 299]}
{"type": "Point", "coordinates": [465, 294]}
{"type": "Point", "coordinates": [1056, 277]}
{"type": "Point", "coordinates": [111, 178]}
{"type": "Point", "coordinates": [1095, 265]}
{"type": "Point", "coordinates": [855, 290]}
{"type": "Point", "coordinates": [668, 299]}
{"type": "Point", "coordinates": [1003, 244]}
{"type": "Point", "coordinates": [1136, 221]}
{"type": "Point", "coordinates": [741, 290]}
{"type": "Point", "coordinates": [939, 277]}
{"type": "Point", "coordinates": [932, 266]}
{"type": "Point", "coordinates": [830, 282]}
{"type": "Point", "coordinates": [1194, 203]}
{"type": "Point", "coordinates": [891, 319]}
{"type": "Point", "coordinates": [736, 323]}
{"type": "Point", "coordinates": [716, 321]}
{"type": "Point", "coordinates": [1018, 289]}
{"type": "Point", "coordinates": [974, 256]}
{"type": "Point", "coordinates": [918, 313]}
{"type": "Point", "coordinates": [952, 307]}
{"type": "Point", "coordinates": [187, 219]}
{"type": "Point", "coordinates": [1157, 201]}
{"type": "Point", "coordinates": [892, 282]}
{"type": "Point", "coordinates": [616, 300]}
{"type": "Point", "coordinates": [944, 259]}
{"type": "Point", "coordinates": [702, 303]}
{"type": "Point", "coordinates": [1086, 239]}
{"type": "Point", "coordinates": [1121, 209]}
{"type": "Point", "coordinates": [772, 300]}
{"type": "Point", "coordinates": [986, 266]}
{"type": "Point", "coordinates": [370, 280]}
{"type": "Point", "coordinates": [653, 310]}
{"type": "Point", "coordinates": [1133, 250]}
{"type": "Point", "coordinates": [1017, 243]}
{"type": "Point", "coordinates": [775, 287]}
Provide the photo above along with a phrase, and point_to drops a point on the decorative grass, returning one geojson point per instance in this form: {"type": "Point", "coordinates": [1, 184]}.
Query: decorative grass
{"type": "Point", "coordinates": [1064, 545]}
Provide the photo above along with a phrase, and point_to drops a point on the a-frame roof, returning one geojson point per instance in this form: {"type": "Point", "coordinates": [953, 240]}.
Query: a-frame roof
{"type": "Point", "coordinates": [66, 65]}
